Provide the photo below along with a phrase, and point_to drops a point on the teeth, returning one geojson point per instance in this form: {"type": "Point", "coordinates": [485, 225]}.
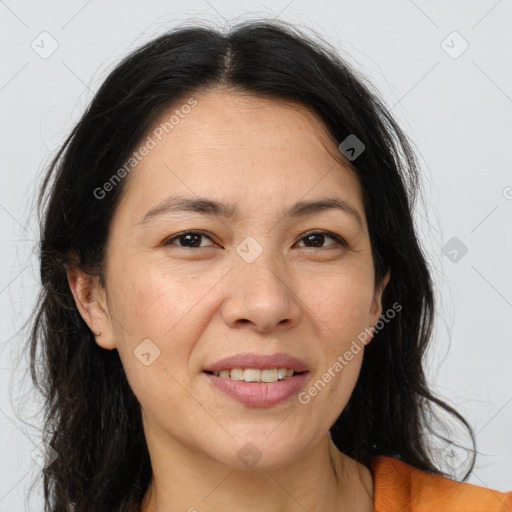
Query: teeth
{"type": "Point", "coordinates": [282, 372]}
{"type": "Point", "coordinates": [270, 375]}
{"type": "Point", "coordinates": [251, 375]}
{"type": "Point", "coordinates": [236, 374]}
{"type": "Point", "coordinates": [255, 375]}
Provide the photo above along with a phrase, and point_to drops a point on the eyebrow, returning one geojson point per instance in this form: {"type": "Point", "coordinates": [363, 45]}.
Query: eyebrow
{"type": "Point", "coordinates": [204, 206]}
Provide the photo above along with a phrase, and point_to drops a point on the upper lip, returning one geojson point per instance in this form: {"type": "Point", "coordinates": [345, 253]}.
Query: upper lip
{"type": "Point", "coordinates": [259, 361]}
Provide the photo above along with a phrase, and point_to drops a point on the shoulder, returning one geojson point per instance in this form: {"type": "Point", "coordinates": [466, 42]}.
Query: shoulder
{"type": "Point", "coordinates": [400, 486]}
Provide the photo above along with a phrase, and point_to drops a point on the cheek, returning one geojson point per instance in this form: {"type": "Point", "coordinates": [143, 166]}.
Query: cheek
{"type": "Point", "coordinates": [157, 317]}
{"type": "Point", "coordinates": [341, 300]}
{"type": "Point", "coordinates": [153, 301]}
{"type": "Point", "coordinates": [329, 392]}
{"type": "Point", "coordinates": [148, 312]}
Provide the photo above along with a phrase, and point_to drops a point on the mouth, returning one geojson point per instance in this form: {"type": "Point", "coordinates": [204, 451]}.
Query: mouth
{"type": "Point", "coordinates": [258, 380]}
{"type": "Point", "coordinates": [257, 388]}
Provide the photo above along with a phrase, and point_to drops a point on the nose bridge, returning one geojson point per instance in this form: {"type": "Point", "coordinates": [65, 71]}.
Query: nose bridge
{"type": "Point", "coordinates": [259, 290]}
{"type": "Point", "coordinates": [257, 263]}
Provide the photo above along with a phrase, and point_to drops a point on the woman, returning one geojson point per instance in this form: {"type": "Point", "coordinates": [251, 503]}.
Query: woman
{"type": "Point", "coordinates": [226, 232]}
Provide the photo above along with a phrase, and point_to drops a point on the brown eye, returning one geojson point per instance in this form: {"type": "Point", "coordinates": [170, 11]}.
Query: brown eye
{"type": "Point", "coordinates": [317, 238]}
{"type": "Point", "coordinates": [188, 239]}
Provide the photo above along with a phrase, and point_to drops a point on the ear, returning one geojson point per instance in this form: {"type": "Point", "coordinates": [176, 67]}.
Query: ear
{"type": "Point", "coordinates": [376, 309]}
{"type": "Point", "coordinates": [90, 299]}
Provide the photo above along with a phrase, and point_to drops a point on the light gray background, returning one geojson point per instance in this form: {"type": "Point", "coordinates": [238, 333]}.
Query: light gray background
{"type": "Point", "coordinates": [457, 111]}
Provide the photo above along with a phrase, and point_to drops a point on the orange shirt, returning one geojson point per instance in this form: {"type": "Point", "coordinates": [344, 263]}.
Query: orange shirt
{"type": "Point", "coordinates": [400, 487]}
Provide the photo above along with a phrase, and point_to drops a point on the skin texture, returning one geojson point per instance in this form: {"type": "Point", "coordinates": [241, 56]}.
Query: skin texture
{"type": "Point", "coordinates": [198, 305]}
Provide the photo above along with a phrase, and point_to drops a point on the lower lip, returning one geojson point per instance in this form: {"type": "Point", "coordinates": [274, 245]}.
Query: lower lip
{"type": "Point", "coordinates": [256, 394]}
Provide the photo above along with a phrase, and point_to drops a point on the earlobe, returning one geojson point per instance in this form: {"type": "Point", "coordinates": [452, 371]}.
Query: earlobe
{"type": "Point", "coordinates": [89, 298]}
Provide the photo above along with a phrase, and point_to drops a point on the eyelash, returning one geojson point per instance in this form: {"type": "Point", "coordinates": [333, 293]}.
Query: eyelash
{"type": "Point", "coordinates": [339, 241]}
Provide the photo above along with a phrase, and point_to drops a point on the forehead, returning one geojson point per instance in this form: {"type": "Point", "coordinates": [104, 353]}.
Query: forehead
{"type": "Point", "coordinates": [232, 121]}
{"type": "Point", "coordinates": [244, 119]}
{"type": "Point", "coordinates": [236, 145]}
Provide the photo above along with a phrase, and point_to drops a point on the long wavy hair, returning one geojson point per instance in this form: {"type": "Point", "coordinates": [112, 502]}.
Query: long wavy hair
{"type": "Point", "coordinates": [92, 418]}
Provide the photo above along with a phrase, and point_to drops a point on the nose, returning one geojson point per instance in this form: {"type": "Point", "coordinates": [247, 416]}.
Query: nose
{"type": "Point", "coordinates": [260, 295]}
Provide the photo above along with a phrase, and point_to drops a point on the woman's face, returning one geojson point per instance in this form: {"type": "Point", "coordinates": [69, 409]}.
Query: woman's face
{"type": "Point", "coordinates": [260, 282]}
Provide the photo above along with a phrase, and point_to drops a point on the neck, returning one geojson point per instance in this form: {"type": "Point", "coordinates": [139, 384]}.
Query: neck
{"type": "Point", "coordinates": [322, 479]}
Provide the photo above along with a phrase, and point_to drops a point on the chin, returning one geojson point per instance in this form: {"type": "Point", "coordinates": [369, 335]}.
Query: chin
{"type": "Point", "coordinates": [259, 451]}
